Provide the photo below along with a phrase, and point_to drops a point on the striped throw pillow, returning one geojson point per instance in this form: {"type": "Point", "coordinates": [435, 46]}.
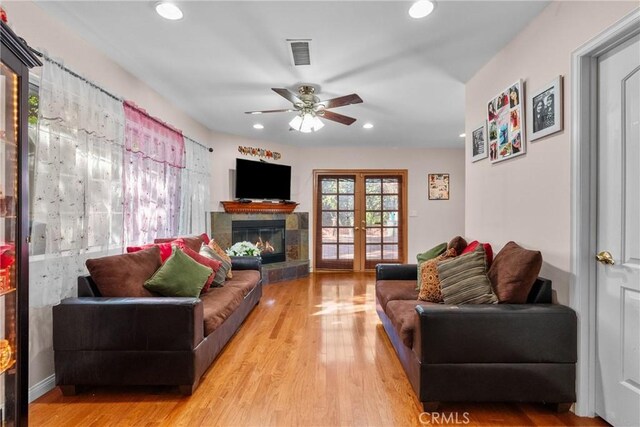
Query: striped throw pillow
{"type": "Point", "coordinates": [463, 280]}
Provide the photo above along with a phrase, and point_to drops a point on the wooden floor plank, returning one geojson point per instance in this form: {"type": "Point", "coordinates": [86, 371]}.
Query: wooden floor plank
{"type": "Point", "coordinates": [312, 353]}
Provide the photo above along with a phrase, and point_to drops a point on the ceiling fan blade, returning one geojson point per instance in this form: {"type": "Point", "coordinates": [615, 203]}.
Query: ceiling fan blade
{"type": "Point", "coordinates": [285, 110]}
{"type": "Point", "coordinates": [341, 101]}
{"type": "Point", "coordinates": [287, 94]}
{"type": "Point", "coordinates": [340, 118]}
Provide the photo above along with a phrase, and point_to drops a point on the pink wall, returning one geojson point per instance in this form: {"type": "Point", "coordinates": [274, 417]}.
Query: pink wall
{"type": "Point", "coordinates": [527, 199]}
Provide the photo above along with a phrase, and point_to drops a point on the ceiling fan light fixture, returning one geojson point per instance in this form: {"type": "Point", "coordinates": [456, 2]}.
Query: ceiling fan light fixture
{"type": "Point", "coordinates": [296, 122]}
{"type": "Point", "coordinates": [421, 8]}
{"type": "Point", "coordinates": [307, 124]}
{"type": "Point", "coordinates": [258, 126]}
{"type": "Point", "coordinates": [368, 126]}
{"type": "Point", "coordinates": [317, 123]}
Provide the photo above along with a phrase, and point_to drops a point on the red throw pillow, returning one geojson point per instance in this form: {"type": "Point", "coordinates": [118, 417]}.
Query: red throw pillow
{"type": "Point", "coordinates": [165, 249]}
{"type": "Point", "coordinates": [205, 238]}
{"type": "Point", "coordinates": [201, 259]}
{"type": "Point", "coordinates": [487, 250]}
{"type": "Point", "coordinates": [194, 242]}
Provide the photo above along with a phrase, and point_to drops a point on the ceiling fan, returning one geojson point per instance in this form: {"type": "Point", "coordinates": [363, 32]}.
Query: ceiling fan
{"type": "Point", "coordinates": [310, 108]}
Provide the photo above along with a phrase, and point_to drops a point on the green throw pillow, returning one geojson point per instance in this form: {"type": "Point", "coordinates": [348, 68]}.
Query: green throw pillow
{"type": "Point", "coordinates": [426, 256]}
{"type": "Point", "coordinates": [221, 274]}
{"type": "Point", "coordinates": [463, 280]}
{"type": "Point", "coordinates": [179, 276]}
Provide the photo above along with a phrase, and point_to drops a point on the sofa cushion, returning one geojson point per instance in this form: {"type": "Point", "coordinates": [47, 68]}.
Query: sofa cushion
{"type": "Point", "coordinates": [245, 280]}
{"type": "Point", "coordinates": [430, 282]}
{"type": "Point", "coordinates": [225, 266]}
{"type": "Point", "coordinates": [513, 273]}
{"type": "Point", "coordinates": [218, 304]}
{"type": "Point", "coordinates": [391, 290]}
{"type": "Point", "coordinates": [222, 254]}
{"type": "Point", "coordinates": [194, 242]}
{"type": "Point", "coordinates": [403, 317]}
{"type": "Point", "coordinates": [179, 276]}
{"type": "Point", "coordinates": [458, 243]}
{"type": "Point", "coordinates": [464, 279]}
{"type": "Point", "coordinates": [124, 275]}
{"type": "Point", "coordinates": [426, 256]}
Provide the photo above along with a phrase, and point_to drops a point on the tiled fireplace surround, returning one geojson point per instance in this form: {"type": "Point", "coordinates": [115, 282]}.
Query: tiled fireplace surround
{"type": "Point", "coordinates": [296, 242]}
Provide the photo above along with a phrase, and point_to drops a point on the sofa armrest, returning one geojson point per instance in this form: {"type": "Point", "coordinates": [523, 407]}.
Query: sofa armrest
{"type": "Point", "coordinates": [246, 263]}
{"type": "Point", "coordinates": [396, 272]}
{"type": "Point", "coordinates": [496, 333]}
{"type": "Point", "coordinates": [133, 324]}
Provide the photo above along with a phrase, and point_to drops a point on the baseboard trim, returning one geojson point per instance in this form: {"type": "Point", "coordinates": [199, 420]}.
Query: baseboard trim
{"type": "Point", "coordinates": [42, 388]}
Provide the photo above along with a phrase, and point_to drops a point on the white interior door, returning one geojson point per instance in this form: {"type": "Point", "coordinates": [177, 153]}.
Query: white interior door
{"type": "Point", "coordinates": [618, 284]}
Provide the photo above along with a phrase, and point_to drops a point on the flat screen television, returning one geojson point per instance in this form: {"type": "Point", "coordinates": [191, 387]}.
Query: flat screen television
{"type": "Point", "coordinates": [261, 180]}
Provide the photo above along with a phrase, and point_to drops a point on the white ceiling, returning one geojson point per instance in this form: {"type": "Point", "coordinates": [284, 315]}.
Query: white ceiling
{"type": "Point", "coordinates": [223, 57]}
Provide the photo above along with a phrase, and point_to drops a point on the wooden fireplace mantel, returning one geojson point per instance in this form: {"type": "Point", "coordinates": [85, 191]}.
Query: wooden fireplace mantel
{"type": "Point", "coordinates": [258, 207]}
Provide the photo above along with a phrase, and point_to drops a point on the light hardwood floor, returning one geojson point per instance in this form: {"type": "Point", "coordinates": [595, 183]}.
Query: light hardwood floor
{"type": "Point", "coordinates": [312, 353]}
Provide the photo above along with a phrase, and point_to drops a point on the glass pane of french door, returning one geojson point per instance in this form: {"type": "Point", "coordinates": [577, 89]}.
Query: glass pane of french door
{"type": "Point", "coordinates": [382, 214]}
{"type": "Point", "coordinates": [336, 210]}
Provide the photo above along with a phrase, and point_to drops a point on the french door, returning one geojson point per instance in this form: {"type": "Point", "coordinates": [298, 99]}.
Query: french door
{"type": "Point", "coordinates": [360, 218]}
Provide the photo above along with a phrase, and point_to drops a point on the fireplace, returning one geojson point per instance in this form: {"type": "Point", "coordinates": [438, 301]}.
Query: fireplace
{"type": "Point", "coordinates": [267, 235]}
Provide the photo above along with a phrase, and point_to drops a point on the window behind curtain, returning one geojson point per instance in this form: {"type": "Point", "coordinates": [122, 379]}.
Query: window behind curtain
{"type": "Point", "coordinates": [153, 162]}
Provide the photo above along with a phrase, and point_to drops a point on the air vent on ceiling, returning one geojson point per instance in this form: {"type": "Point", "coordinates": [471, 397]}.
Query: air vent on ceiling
{"type": "Point", "coordinates": [300, 50]}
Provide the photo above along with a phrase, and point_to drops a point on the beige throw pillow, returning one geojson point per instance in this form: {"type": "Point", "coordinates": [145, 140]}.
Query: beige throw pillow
{"type": "Point", "coordinates": [216, 247]}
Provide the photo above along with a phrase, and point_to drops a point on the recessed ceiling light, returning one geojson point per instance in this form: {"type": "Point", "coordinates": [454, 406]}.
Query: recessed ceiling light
{"type": "Point", "coordinates": [169, 11]}
{"type": "Point", "coordinates": [421, 8]}
{"type": "Point", "coordinates": [258, 126]}
{"type": "Point", "coordinates": [367, 125]}
{"type": "Point", "coordinates": [462, 135]}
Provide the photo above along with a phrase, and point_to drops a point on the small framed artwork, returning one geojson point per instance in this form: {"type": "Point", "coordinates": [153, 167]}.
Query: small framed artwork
{"type": "Point", "coordinates": [505, 124]}
{"type": "Point", "coordinates": [438, 186]}
{"type": "Point", "coordinates": [479, 143]}
{"type": "Point", "coordinates": [545, 108]}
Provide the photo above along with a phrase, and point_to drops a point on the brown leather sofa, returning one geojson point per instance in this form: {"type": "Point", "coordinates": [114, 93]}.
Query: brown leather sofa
{"type": "Point", "coordinates": [149, 341]}
{"type": "Point", "coordinates": [479, 353]}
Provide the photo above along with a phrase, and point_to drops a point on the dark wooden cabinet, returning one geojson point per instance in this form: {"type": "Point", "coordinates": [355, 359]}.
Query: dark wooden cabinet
{"type": "Point", "coordinates": [16, 59]}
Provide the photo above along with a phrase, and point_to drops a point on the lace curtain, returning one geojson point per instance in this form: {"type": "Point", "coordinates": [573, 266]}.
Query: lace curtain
{"type": "Point", "coordinates": [78, 200]}
{"type": "Point", "coordinates": [154, 155]}
{"type": "Point", "coordinates": [195, 189]}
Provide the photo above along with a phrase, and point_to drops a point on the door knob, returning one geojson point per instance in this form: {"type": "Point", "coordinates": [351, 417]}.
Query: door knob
{"type": "Point", "coordinates": [357, 228]}
{"type": "Point", "coordinates": [605, 257]}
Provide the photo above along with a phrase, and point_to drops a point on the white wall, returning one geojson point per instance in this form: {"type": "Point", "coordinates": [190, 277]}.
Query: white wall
{"type": "Point", "coordinates": [527, 199]}
{"type": "Point", "coordinates": [437, 221]}
{"type": "Point", "coordinates": [225, 155]}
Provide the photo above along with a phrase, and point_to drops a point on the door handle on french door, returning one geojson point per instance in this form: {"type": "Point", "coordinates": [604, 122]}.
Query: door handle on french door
{"type": "Point", "coordinates": [605, 257]}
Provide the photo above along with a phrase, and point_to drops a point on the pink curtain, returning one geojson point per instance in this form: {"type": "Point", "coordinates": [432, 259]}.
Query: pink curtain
{"type": "Point", "coordinates": [153, 162]}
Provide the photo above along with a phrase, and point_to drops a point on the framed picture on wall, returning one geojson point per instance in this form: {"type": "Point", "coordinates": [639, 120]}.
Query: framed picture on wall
{"type": "Point", "coordinates": [438, 186]}
{"type": "Point", "coordinates": [479, 143]}
{"type": "Point", "coordinates": [545, 106]}
{"type": "Point", "coordinates": [505, 115]}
